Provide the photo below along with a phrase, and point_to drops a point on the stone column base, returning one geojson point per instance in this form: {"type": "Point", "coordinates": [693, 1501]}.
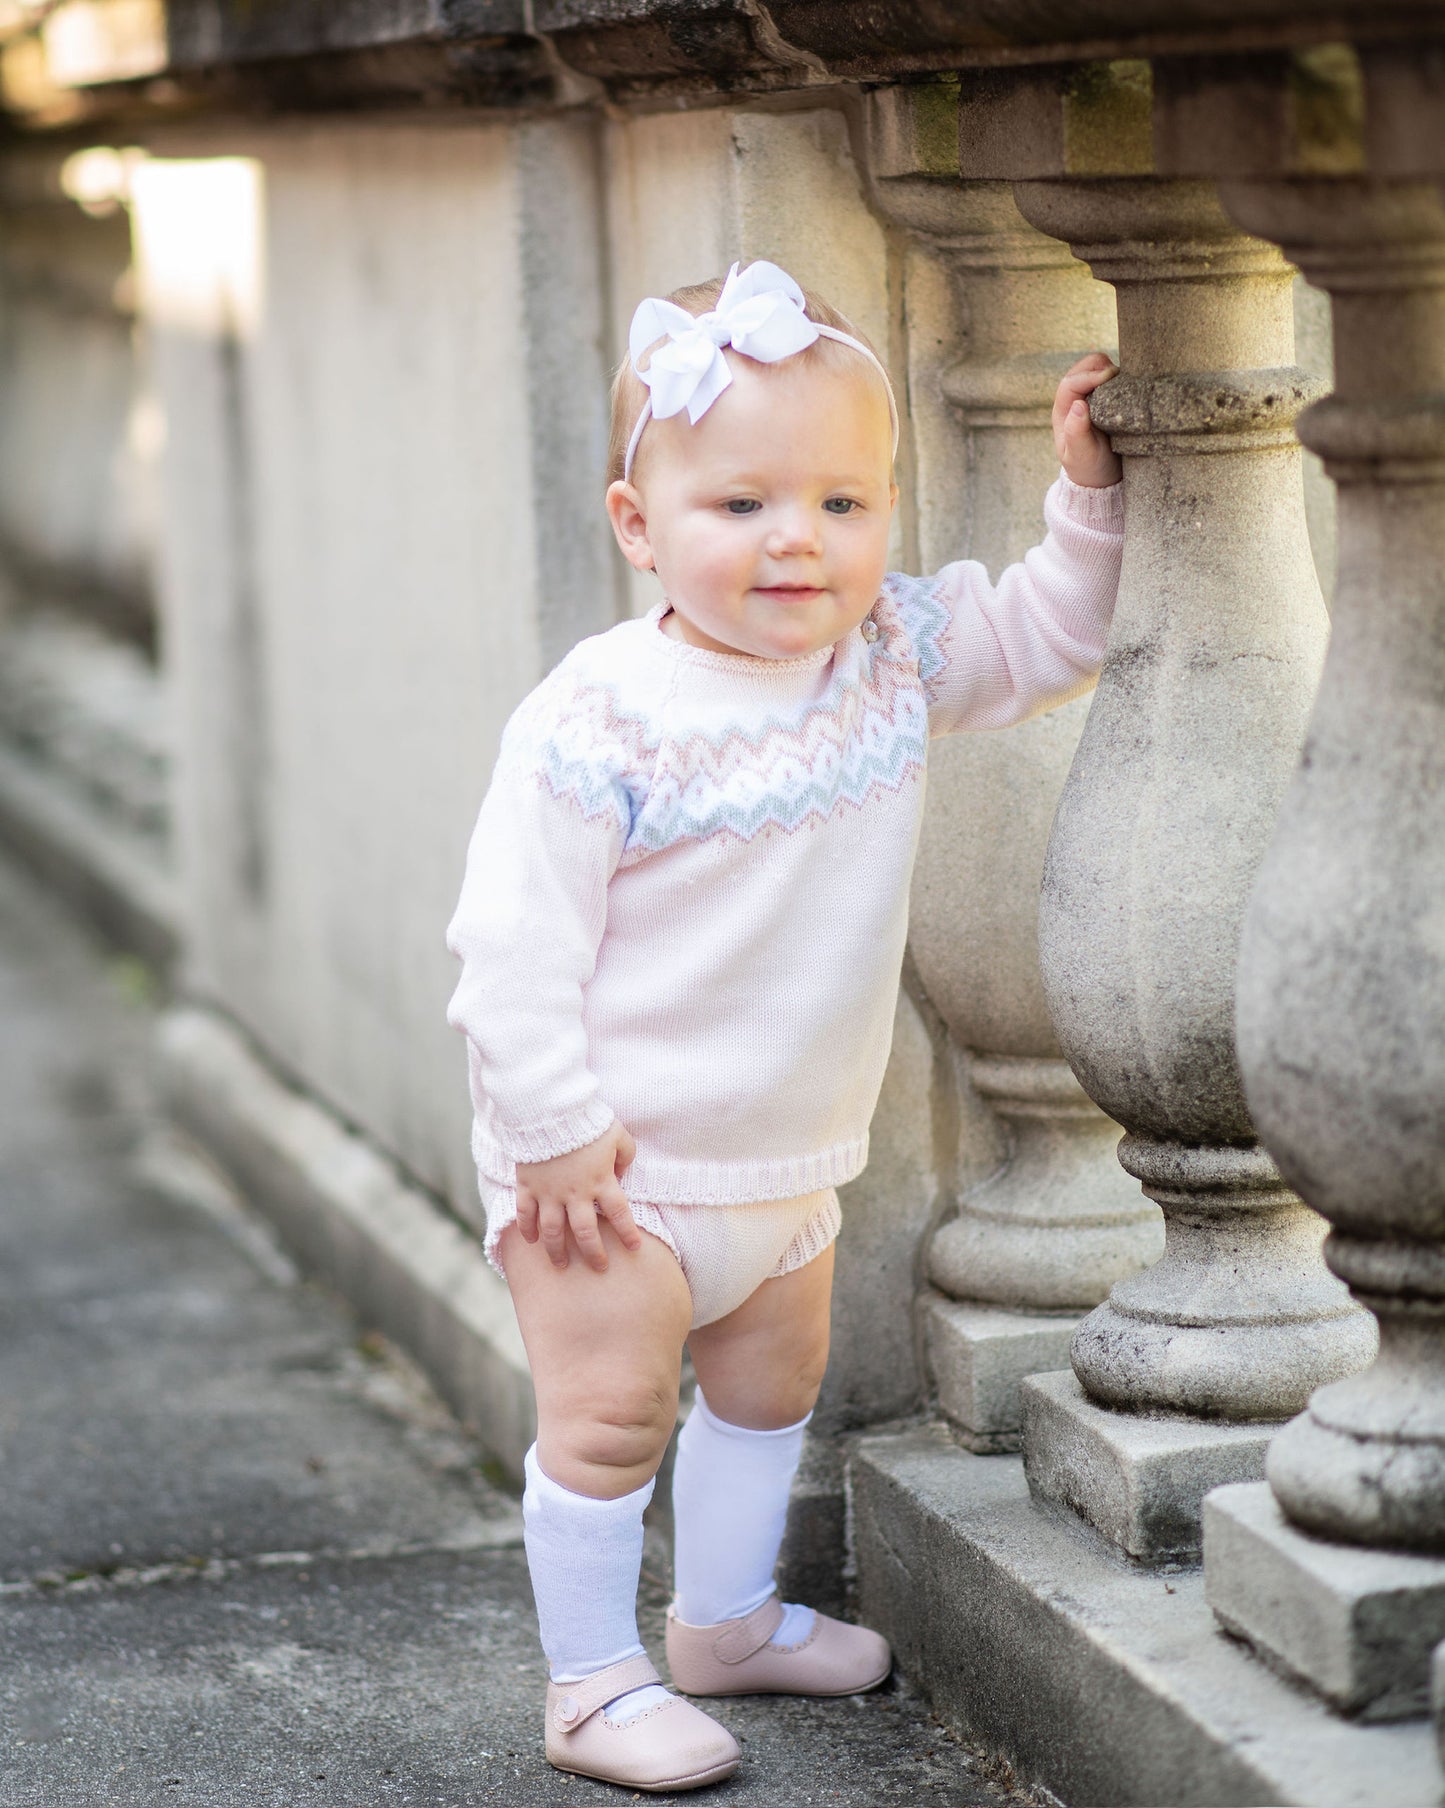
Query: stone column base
{"type": "Point", "coordinates": [1140, 1480]}
{"type": "Point", "coordinates": [1359, 1625]}
{"type": "Point", "coordinates": [979, 1354]}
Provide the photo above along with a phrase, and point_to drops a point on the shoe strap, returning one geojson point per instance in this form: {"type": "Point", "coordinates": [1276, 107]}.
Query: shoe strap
{"type": "Point", "coordinates": [579, 1701]}
{"type": "Point", "coordinates": [749, 1634]}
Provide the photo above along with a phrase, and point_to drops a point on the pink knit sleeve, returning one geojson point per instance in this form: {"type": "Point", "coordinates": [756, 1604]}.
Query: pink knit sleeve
{"type": "Point", "coordinates": [527, 929]}
{"type": "Point", "coordinates": [991, 654]}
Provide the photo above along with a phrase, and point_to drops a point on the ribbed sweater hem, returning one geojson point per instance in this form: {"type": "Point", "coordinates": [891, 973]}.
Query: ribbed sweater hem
{"type": "Point", "coordinates": [560, 1136]}
{"type": "Point", "coordinates": [660, 1181]}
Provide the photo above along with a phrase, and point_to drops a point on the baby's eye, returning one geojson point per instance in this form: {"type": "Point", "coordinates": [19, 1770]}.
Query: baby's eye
{"type": "Point", "coordinates": [742, 505]}
{"type": "Point", "coordinates": [840, 505]}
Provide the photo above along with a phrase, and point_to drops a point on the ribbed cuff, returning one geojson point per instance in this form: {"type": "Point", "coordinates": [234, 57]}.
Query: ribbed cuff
{"type": "Point", "coordinates": [556, 1136]}
{"type": "Point", "coordinates": [1092, 507]}
{"type": "Point", "coordinates": [726, 1429]}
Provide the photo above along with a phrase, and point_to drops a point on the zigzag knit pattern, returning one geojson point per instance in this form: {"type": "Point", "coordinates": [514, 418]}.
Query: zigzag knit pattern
{"type": "Point", "coordinates": [802, 760]}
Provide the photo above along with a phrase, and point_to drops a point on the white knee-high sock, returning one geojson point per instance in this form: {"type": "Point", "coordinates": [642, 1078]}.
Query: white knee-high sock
{"type": "Point", "coordinates": [584, 1557]}
{"type": "Point", "coordinates": [730, 1504]}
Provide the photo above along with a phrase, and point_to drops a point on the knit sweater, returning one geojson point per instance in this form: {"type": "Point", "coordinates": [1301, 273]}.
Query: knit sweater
{"type": "Point", "coordinates": [686, 896]}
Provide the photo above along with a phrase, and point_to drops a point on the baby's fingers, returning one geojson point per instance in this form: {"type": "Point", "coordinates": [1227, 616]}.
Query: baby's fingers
{"type": "Point", "coordinates": [612, 1203]}
{"type": "Point", "coordinates": [1086, 376]}
{"type": "Point", "coordinates": [552, 1221]}
{"type": "Point", "coordinates": [582, 1218]}
{"type": "Point", "coordinates": [526, 1215]}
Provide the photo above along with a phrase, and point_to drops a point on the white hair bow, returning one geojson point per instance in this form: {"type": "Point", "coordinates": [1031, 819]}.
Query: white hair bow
{"type": "Point", "coordinates": [760, 312]}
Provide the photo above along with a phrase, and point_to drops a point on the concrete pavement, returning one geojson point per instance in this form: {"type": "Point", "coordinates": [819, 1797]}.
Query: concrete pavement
{"type": "Point", "coordinates": [246, 1558]}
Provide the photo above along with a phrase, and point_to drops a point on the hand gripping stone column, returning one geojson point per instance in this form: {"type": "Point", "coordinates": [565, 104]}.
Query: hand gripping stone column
{"type": "Point", "coordinates": [997, 311]}
{"type": "Point", "coordinates": [1342, 979]}
{"type": "Point", "coordinates": [1194, 730]}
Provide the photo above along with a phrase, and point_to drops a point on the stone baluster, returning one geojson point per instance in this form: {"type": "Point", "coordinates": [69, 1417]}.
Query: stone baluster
{"type": "Point", "coordinates": [1342, 981]}
{"type": "Point", "coordinates": [1047, 1221]}
{"type": "Point", "coordinates": [1195, 727]}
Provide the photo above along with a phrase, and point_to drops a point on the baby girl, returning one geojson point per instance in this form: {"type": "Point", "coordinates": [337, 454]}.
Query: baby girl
{"type": "Point", "coordinates": [681, 932]}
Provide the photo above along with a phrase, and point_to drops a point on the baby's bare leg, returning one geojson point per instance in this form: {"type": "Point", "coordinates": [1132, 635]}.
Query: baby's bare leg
{"type": "Point", "coordinates": [604, 1350]}
{"type": "Point", "coordinates": [762, 1365]}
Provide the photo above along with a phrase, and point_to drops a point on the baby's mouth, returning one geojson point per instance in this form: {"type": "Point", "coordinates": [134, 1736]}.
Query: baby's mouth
{"type": "Point", "coordinates": [791, 592]}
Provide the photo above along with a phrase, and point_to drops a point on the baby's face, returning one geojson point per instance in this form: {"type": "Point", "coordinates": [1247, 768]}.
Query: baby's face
{"type": "Point", "coordinates": [767, 522]}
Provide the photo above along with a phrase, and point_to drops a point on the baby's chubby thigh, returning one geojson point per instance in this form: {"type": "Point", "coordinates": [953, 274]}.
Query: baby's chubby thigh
{"type": "Point", "coordinates": [762, 1365]}
{"type": "Point", "coordinates": [605, 1351]}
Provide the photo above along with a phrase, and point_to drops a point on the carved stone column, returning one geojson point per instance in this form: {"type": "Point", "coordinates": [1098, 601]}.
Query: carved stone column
{"type": "Point", "coordinates": [1342, 978]}
{"type": "Point", "coordinates": [1047, 1221]}
{"type": "Point", "coordinates": [1195, 728]}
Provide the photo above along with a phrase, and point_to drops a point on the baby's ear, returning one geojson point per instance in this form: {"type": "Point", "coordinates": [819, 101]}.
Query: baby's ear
{"type": "Point", "coordinates": [628, 516]}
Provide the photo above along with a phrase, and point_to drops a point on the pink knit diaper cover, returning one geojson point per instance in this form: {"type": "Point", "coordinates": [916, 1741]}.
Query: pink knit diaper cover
{"type": "Point", "coordinates": [725, 1252]}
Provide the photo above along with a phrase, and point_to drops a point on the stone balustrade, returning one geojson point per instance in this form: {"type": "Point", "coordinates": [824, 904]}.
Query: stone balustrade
{"type": "Point", "coordinates": [1342, 973]}
{"type": "Point", "coordinates": [1046, 1220]}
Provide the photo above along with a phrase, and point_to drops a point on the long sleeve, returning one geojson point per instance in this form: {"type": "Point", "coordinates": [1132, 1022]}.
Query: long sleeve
{"type": "Point", "coordinates": [992, 655]}
{"type": "Point", "coordinates": [527, 930]}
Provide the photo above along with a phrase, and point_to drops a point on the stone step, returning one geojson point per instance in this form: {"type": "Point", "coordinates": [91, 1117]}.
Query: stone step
{"type": "Point", "coordinates": [1103, 1680]}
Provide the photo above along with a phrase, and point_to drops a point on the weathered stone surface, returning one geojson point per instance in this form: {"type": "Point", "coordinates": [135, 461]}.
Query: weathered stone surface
{"type": "Point", "coordinates": [361, 430]}
{"type": "Point", "coordinates": [77, 435]}
{"type": "Point", "coordinates": [1138, 1478]}
{"type": "Point", "coordinates": [1212, 660]}
{"type": "Point", "coordinates": [1080, 103]}
{"type": "Point", "coordinates": [647, 45]}
{"type": "Point", "coordinates": [873, 1372]}
{"type": "Point", "coordinates": [1106, 1681]}
{"type": "Point", "coordinates": [852, 37]}
{"type": "Point", "coordinates": [1059, 1224]}
{"type": "Point", "coordinates": [1358, 1625]}
{"type": "Point", "coordinates": [206, 32]}
{"type": "Point", "coordinates": [1342, 995]}
{"type": "Point", "coordinates": [1046, 1221]}
{"type": "Point", "coordinates": [1239, 1318]}
{"type": "Point", "coordinates": [118, 885]}
{"type": "Point", "coordinates": [979, 1354]}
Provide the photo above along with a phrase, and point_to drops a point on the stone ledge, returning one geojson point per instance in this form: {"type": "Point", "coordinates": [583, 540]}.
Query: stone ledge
{"type": "Point", "coordinates": [504, 53]}
{"type": "Point", "coordinates": [1359, 1625]}
{"type": "Point", "coordinates": [350, 1219]}
{"type": "Point", "coordinates": [114, 880]}
{"type": "Point", "coordinates": [1100, 1680]}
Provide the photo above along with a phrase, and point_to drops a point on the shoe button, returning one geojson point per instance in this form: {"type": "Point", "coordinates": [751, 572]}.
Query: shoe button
{"type": "Point", "coordinates": [567, 1710]}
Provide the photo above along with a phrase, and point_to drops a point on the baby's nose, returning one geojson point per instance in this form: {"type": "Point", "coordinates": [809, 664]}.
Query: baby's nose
{"type": "Point", "coordinates": [795, 529]}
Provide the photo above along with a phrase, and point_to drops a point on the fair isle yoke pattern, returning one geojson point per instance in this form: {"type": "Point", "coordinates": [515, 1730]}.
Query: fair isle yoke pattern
{"type": "Point", "coordinates": [867, 732]}
{"type": "Point", "coordinates": [574, 736]}
{"type": "Point", "coordinates": [922, 605]}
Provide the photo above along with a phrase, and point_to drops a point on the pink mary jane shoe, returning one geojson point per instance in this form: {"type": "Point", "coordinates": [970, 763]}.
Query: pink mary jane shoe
{"type": "Point", "coordinates": [737, 1657]}
{"type": "Point", "coordinates": [671, 1746]}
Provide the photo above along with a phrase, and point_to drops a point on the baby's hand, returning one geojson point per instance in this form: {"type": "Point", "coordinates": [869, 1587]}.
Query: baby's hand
{"type": "Point", "coordinates": [567, 1193]}
{"type": "Point", "coordinates": [1087, 457]}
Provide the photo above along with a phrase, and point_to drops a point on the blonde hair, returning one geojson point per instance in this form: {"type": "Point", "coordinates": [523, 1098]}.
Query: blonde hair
{"type": "Point", "coordinates": [629, 392]}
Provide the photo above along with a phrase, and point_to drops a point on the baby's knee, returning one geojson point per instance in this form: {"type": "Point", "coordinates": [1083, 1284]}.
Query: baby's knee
{"type": "Point", "coordinates": [613, 1443]}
